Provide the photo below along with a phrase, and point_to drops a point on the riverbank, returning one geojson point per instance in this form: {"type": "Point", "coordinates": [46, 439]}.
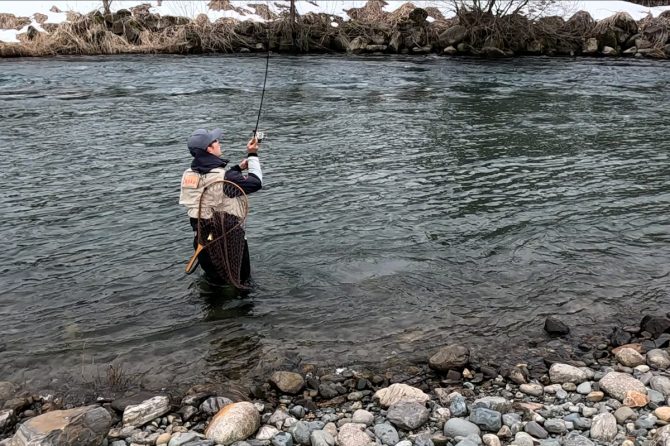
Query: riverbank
{"type": "Point", "coordinates": [366, 30]}
{"type": "Point", "coordinates": [613, 393]}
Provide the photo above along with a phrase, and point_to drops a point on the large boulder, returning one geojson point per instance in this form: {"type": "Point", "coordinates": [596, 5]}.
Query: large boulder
{"type": "Point", "coordinates": [235, 422]}
{"type": "Point", "coordinates": [82, 426]}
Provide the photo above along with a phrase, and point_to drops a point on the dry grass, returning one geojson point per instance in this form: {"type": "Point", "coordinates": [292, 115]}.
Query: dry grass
{"type": "Point", "coordinates": [581, 24]}
{"type": "Point", "coordinates": [620, 21]}
{"type": "Point", "coordinates": [370, 13]}
{"type": "Point", "coordinates": [10, 21]}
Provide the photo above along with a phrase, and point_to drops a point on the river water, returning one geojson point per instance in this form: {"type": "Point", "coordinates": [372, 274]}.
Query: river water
{"type": "Point", "coordinates": [408, 203]}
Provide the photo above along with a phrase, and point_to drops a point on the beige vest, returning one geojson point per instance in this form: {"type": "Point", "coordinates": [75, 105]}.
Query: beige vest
{"type": "Point", "coordinates": [193, 185]}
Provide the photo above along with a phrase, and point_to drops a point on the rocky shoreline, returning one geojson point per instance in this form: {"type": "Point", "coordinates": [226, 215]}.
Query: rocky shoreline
{"type": "Point", "coordinates": [613, 393]}
{"type": "Point", "coordinates": [369, 30]}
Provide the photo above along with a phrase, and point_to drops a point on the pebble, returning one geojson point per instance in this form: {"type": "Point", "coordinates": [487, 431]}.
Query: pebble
{"type": "Point", "coordinates": [579, 406]}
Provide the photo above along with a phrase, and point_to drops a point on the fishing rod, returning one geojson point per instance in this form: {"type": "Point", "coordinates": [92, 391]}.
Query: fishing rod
{"type": "Point", "coordinates": [259, 135]}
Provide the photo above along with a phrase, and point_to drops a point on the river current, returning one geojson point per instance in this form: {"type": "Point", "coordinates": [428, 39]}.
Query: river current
{"type": "Point", "coordinates": [408, 203]}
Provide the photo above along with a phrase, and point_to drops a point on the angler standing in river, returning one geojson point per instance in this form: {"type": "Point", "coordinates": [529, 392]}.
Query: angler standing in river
{"type": "Point", "coordinates": [218, 220]}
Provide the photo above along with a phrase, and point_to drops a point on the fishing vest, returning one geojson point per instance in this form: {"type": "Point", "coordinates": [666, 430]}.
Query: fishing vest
{"type": "Point", "coordinates": [193, 185]}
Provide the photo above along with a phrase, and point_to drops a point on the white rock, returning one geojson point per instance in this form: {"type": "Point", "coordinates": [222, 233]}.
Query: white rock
{"type": "Point", "coordinates": [563, 373]}
{"type": "Point", "coordinates": [141, 414]}
{"type": "Point", "coordinates": [532, 389]}
{"type": "Point", "coordinates": [352, 434]}
{"type": "Point", "coordinates": [398, 392]}
{"type": "Point", "coordinates": [603, 427]}
{"type": "Point", "coordinates": [266, 432]}
{"type": "Point", "coordinates": [363, 417]}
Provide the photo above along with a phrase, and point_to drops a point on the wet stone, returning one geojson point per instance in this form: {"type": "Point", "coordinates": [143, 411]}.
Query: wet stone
{"type": "Point", "coordinates": [523, 439]}
{"type": "Point", "coordinates": [584, 388]}
{"type": "Point", "coordinates": [387, 434]}
{"type": "Point", "coordinates": [300, 432]}
{"type": "Point", "coordinates": [182, 439]}
{"type": "Point", "coordinates": [297, 411]}
{"type": "Point", "coordinates": [456, 427]}
{"type": "Point", "coordinates": [423, 440]}
{"type": "Point", "coordinates": [646, 421]}
{"type": "Point", "coordinates": [487, 419]}
{"type": "Point", "coordinates": [282, 439]}
{"type": "Point", "coordinates": [321, 438]}
{"type": "Point", "coordinates": [468, 442]}
{"type": "Point", "coordinates": [458, 406]}
{"type": "Point", "coordinates": [660, 384]}
{"type": "Point", "coordinates": [408, 415]}
{"type": "Point", "coordinates": [213, 404]}
{"type": "Point", "coordinates": [555, 426]}
{"type": "Point", "coordinates": [534, 429]}
{"type": "Point", "coordinates": [576, 439]}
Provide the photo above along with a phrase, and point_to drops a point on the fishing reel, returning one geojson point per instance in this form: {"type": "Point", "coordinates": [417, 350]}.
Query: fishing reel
{"type": "Point", "coordinates": [259, 136]}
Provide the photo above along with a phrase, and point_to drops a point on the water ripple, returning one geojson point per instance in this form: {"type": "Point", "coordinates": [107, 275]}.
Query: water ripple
{"type": "Point", "coordinates": [408, 203]}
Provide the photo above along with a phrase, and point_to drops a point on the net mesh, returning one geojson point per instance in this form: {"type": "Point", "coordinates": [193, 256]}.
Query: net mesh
{"type": "Point", "coordinates": [222, 213]}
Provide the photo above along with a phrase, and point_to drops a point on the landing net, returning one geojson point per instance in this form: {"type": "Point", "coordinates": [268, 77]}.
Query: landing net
{"type": "Point", "coordinates": [222, 212]}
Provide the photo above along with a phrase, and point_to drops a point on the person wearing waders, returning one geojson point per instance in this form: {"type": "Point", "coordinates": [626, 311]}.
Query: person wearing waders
{"type": "Point", "coordinates": [208, 166]}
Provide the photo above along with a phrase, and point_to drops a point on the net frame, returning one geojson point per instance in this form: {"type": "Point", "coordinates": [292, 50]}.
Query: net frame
{"type": "Point", "coordinates": [222, 212]}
